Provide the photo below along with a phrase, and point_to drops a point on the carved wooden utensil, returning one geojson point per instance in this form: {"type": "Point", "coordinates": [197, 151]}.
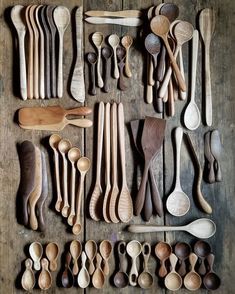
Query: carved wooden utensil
{"type": "Point", "coordinates": [114, 42]}
{"type": "Point", "coordinates": [211, 280]}
{"type": "Point", "coordinates": [98, 39]}
{"type": "Point", "coordinates": [107, 54]}
{"type": "Point", "coordinates": [133, 249]}
{"type": "Point", "coordinates": [75, 250]}
{"type": "Point", "coordinates": [152, 138]}
{"type": "Point", "coordinates": [91, 251]}
{"type": "Point", "coordinates": [106, 248]}
{"type": "Point", "coordinates": [83, 278]}
{"type": "Point", "coordinates": [35, 252]}
{"type": "Point", "coordinates": [216, 149]}
{"type": "Point", "coordinates": [145, 279]}
{"type": "Point", "coordinates": [129, 21]}
{"type": "Point", "coordinates": [121, 54]}
{"type": "Point", "coordinates": [45, 278]}
{"type": "Point", "coordinates": [122, 13]}
{"type": "Point", "coordinates": [98, 278]}
{"type": "Point", "coordinates": [163, 251]}
{"type": "Point", "coordinates": [126, 43]}
{"type": "Point", "coordinates": [28, 278]}
{"type": "Point", "coordinates": [52, 252]}
{"type": "Point", "coordinates": [92, 59]}
{"type": "Point", "coordinates": [67, 276]}
{"type": "Point", "coordinates": [121, 279]}
{"type": "Point", "coordinates": [209, 165]}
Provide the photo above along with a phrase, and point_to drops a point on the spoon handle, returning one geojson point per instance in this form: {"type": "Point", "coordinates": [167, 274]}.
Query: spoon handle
{"type": "Point", "coordinates": [208, 95]}
{"type": "Point", "coordinates": [162, 270]}
{"type": "Point", "coordinates": [99, 78]}
{"type": "Point", "coordinates": [173, 260]}
{"type": "Point", "coordinates": [183, 94]}
{"type": "Point", "coordinates": [178, 141]}
{"type": "Point", "coordinates": [23, 79]}
{"type": "Point", "coordinates": [194, 64]}
{"type": "Point", "coordinates": [171, 101]}
{"type": "Point", "coordinates": [121, 83]}
{"type": "Point", "coordinates": [133, 275]}
{"type": "Point", "coordinates": [162, 64]}
{"type": "Point", "coordinates": [72, 195]}
{"type": "Point", "coordinates": [80, 122]}
{"type": "Point", "coordinates": [60, 67]}
{"type": "Point", "coordinates": [148, 205]}
{"type": "Point", "coordinates": [121, 254]}
{"type": "Point", "coordinates": [57, 177]}
{"type": "Point", "coordinates": [127, 65]}
{"type": "Point", "coordinates": [116, 71]}
{"type": "Point", "coordinates": [151, 80]}
{"type": "Point", "coordinates": [93, 89]}
{"type": "Point", "coordinates": [193, 260]}
{"type": "Point", "coordinates": [146, 251]}
{"type": "Point", "coordinates": [210, 259]}
{"type": "Point", "coordinates": [65, 187]}
{"type": "Point", "coordinates": [107, 66]}
{"type": "Point", "coordinates": [156, 199]}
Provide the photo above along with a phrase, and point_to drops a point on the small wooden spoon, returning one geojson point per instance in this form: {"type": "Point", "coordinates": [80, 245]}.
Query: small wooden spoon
{"type": "Point", "coordinates": [61, 16]}
{"type": "Point", "coordinates": [44, 279]}
{"type": "Point", "coordinates": [121, 279]}
{"type": "Point", "coordinates": [105, 251]}
{"type": "Point", "coordinates": [182, 251]}
{"type": "Point", "coordinates": [202, 249]}
{"type": "Point", "coordinates": [145, 279]}
{"type": "Point", "coordinates": [52, 252]}
{"type": "Point", "coordinates": [35, 252]}
{"type": "Point", "coordinates": [28, 278]}
{"type": "Point", "coordinates": [73, 155]}
{"type": "Point", "coordinates": [173, 280]}
{"type": "Point", "coordinates": [83, 276]}
{"type": "Point", "coordinates": [98, 278]}
{"type": "Point", "coordinates": [211, 281]}
{"type": "Point", "coordinates": [92, 59]}
{"type": "Point", "coordinates": [114, 42]}
{"type": "Point", "coordinates": [75, 250]}
{"type": "Point", "coordinates": [209, 158]}
{"type": "Point", "coordinates": [16, 17]}
{"type": "Point", "coordinates": [126, 43]}
{"type": "Point", "coordinates": [83, 165]}
{"type": "Point", "coordinates": [133, 249]}
{"type": "Point", "coordinates": [216, 149]}
{"type": "Point", "coordinates": [107, 53]}
{"type": "Point", "coordinates": [163, 251]}
{"type": "Point", "coordinates": [91, 251]}
{"type": "Point", "coordinates": [63, 147]}
{"type": "Point", "coordinates": [192, 281]}
{"type": "Point", "coordinates": [67, 276]}
{"type": "Point", "coordinates": [121, 55]}
{"type": "Point", "coordinates": [98, 39]}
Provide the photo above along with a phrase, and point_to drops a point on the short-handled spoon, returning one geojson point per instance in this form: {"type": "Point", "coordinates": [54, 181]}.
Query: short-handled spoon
{"type": "Point", "coordinates": [121, 279]}
{"type": "Point", "coordinates": [192, 281]}
{"type": "Point", "coordinates": [107, 53]}
{"type": "Point", "coordinates": [202, 249]}
{"type": "Point", "coordinates": [216, 148]}
{"type": "Point", "coordinates": [98, 278]}
{"type": "Point", "coordinates": [28, 278]}
{"type": "Point", "coordinates": [182, 251]}
{"type": "Point", "coordinates": [211, 281]}
{"type": "Point", "coordinates": [98, 39]}
{"type": "Point", "coordinates": [163, 251]}
{"type": "Point", "coordinates": [91, 251]}
{"type": "Point", "coordinates": [92, 59]}
{"type": "Point", "coordinates": [105, 251]}
{"type": "Point", "coordinates": [121, 55]}
{"type": "Point", "coordinates": [126, 43]}
{"type": "Point", "coordinates": [75, 250]}
{"type": "Point", "coordinates": [45, 278]}
{"type": "Point", "coordinates": [35, 252]}
{"type": "Point", "coordinates": [114, 42]}
{"type": "Point", "coordinates": [173, 280]}
{"type": "Point", "coordinates": [83, 276]}
{"type": "Point", "coordinates": [145, 279]}
{"type": "Point", "coordinates": [52, 252]}
{"type": "Point", "coordinates": [67, 278]}
{"type": "Point", "coordinates": [133, 249]}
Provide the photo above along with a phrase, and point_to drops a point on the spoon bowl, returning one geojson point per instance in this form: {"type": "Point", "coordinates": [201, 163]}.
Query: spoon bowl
{"type": "Point", "coordinates": [44, 279]}
{"type": "Point", "coordinates": [170, 10]}
{"type": "Point", "coordinates": [107, 52]}
{"type": "Point", "coordinates": [182, 251]}
{"type": "Point", "coordinates": [83, 276]}
{"type": "Point", "coordinates": [74, 154]}
{"type": "Point", "coordinates": [192, 116]}
{"type": "Point", "coordinates": [52, 251]}
{"type": "Point", "coordinates": [61, 16]}
{"type": "Point", "coordinates": [126, 43]}
{"type": "Point", "coordinates": [64, 146]}
{"type": "Point", "coordinates": [160, 25]}
{"type": "Point", "coordinates": [192, 280]}
{"type": "Point", "coordinates": [202, 249]}
{"type": "Point", "coordinates": [173, 280]}
{"type": "Point", "coordinates": [28, 278]}
{"type": "Point", "coordinates": [35, 252]}
{"type": "Point", "coordinates": [105, 251]}
{"type": "Point", "coordinates": [145, 280]}
{"type": "Point", "coordinates": [152, 44]}
{"type": "Point", "coordinates": [92, 58]}
{"type": "Point", "coordinates": [54, 141]}
{"type": "Point", "coordinates": [121, 53]}
{"type": "Point", "coordinates": [163, 251]}
{"type": "Point", "coordinates": [67, 275]}
{"type": "Point", "coordinates": [98, 278]}
{"type": "Point", "coordinates": [121, 280]}
{"type": "Point", "coordinates": [211, 281]}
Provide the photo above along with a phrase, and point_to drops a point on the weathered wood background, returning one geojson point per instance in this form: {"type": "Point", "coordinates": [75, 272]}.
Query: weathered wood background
{"type": "Point", "coordinates": [14, 238]}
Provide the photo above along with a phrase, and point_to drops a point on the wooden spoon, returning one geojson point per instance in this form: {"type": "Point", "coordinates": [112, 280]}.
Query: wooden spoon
{"type": "Point", "coordinates": [28, 278]}
{"type": "Point", "coordinates": [63, 147]}
{"type": "Point", "coordinates": [145, 279]}
{"type": "Point", "coordinates": [128, 21]}
{"type": "Point", "coordinates": [98, 39]}
{"type": "Point", "coordinates": [75, 250]}
{"type": "Point", "coordinates": [52, 252]}
{"type": "Point", "coordinates": [192, 117]}
{"type": "Point", "coordinates": [121, 55]}
{"type": "Point", "coordinates": [209, 166]}
{"type": "Point", "coordinates": [160, 26]}
{"type": "Point", "coordinates": [54, 141]}
{"type": "Point", "coordinates": [211, 281]}
{"type": "Point", "coordinates": [92, 59]}
{"type": "Point", "coordinates": [126, 43]}
{"type": "Point", "coordinates": [121, 279]}
{"type": "Point", "coordinates": [133, 249]}
{"type": "Point", "coordinates": [96, 197]}
{"type": "Point", "coordinates": [207, 27]}
{"type": "Point", "coordinates": [73, 155]}
{"type": "Point", "coordinates": [105, 251]}
{"type": "Point", "coordinates": [182, 251]}
{"type": "Point", "coordinates": [170, 10]}
{"type": "Point", "coordinates": [17, 19]}
{"type": "Point", "coordinates": [216, 148]}
{"type": "Point", "coordinates": [192, 281]}
{"type": "Point", "coordinates": [35, 252]}
{"type": "Point", "coordinates": [114, 42]}
{"type": "Point", "coordinates": [173, 280]}
{"type": "Point", "coordinates": [201, 228]}
{"type": "Point", "coordinates": [91, 251]}
{"type": "Point", "coordinates": [107, 54]}
{"type": "Point", "coordinates": [83, 165]}
{"type": "Point", "coordinates": [202, 249]}
{"type": "Point", "coordinates": [44, 279]}
{"type": "Point", "coordinates": [163, 251]}
{"type": "Point", "coordinates": [125, 205]}
{"type": "Point", "coordinates": [67, 275]}
{"type": "Point", "coordinates": [98, 278]}
{"type": "Point", "coordinates": [61, 16]}
{"type": "Point", "coordinates": [178, 203]}
{"type": "Point", "coordinates": [83, 276]}
{"type": "Point", "coordinates": [122, 13]}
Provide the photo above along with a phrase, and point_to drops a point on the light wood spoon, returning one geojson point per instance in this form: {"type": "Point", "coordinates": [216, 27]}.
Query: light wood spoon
{"type": "Point", "coordinates": [122, 13]}
{"type": "Point", "coordinates": [105, 251]}
{"type": "Point", "coordinates": [91, 251]}
{"type": "Point", "coordinates": [114, 42]}
{"type": "Point", "coordinates": [192, 281]}
{"type": "Point", "coordinates": [133, 249]}
{"type": "Point", "coordinates": [83, 276]}
{"type": "Point", "coordinates": [98, 278]}
{"type": "Point", "coordinates": [126, 43]}
{"type": "Point", "coordinates": [28, 278]}
{"type": "Point", "coordinates": [173, 280]}
{"type": "Point", "coordinates": [52, 252]}
{"type": "Point", "coordinates": [98, 39]}
{"type": "Point", "coordinates": [128, 21]}
{"type": "Point", "coordinates": [75, 250]}
{"type": "Point", "coordinates": [45, 278]}
{"type": "Point", "coordinates": [216, 149]}
{"type": "Point", "coordinates": [17, 19]}
{"type": "Point", "coordinates": [35, 252]}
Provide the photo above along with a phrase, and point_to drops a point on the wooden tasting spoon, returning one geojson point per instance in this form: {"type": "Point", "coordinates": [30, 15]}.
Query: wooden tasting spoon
{"type": "Point", "coordinates": [91, 251]}
{"type": "Point", "coordinates": [121, 279]}
{"type": "Point", "coordinates": [67, 275]}
{"type": "Point", "coordinates": [98, 278]}
{"type": "Point", "coordinates": [121, 55]}
{"type": "Point", "coordinates": [216, 149]}
{"type": "Point", "coordinates": [163, 251]}
{"type": "Point", "coordinates": [92, 59]}
{"type": "Point", "coordinates": [133, 249]}
{"type": "Point", "coordinates": [105, 251]}
{"type": "Point", "coordinates": [98, 39]}
{"type": "Point", "coordinates": [28, 278]}
{"type": "Point", "coordinates": [173, 280]}
{"type": "Point", "coordinates": [83, 276]}
{"type": "Point", "coordinates": [126, 43]}
{"type": "Point", "coordinates": [52, 252]}
{"type": "Point", "coordinates": [45, 278]}
{"type": "Point", "coordinates": [107, 53]}
{"type": "Point", "coordinates": [192, 281]}
{"type": "Point", "coordinates": [182, 251]}
{"type": "Point", "coordinates": [35, 252]}
{"type": "Point", "coordinates": [145, 279]}
{"type": "Point", "coordinates": [75, 250]}
{"type": "Point", "coordinates": [114, 42]}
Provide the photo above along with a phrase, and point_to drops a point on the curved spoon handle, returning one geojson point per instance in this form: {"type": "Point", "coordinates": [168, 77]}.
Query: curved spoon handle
{"type": "Point", "coordinates": [57, 177]}
{"type": "Point", "coordinates": [162, 64]}
{"type": "Point", "coordinates": [65, 187]}
{"type": "Point", "coordinates": [82, 111]}
{"type": "Point", "coordinates": [146, 251]}
{"type": "Point", "coordinates": [80, 122]}
{"type": "Point", "coordinates": [194, 64]}
{"type": "Point", "coordinates": [151, 80]}
{"type": "Point", "coordinates": [99, 78]}
{"type": "Point", "coordinates": [208, 94]}
{"type": "Point", "coordinates": [170, 99]}
{"type": "Point", "coordinates": [68, 260]}
{"type": "Point", "coordinates": [183, 94]}
{"type": "Point", "coordinates": [162, 270]}
{"type": "Point", "coordinates": [178, 141]}
{"type": "Point", "coordinates": [148, 205]}
{"type": "Point", "coordinates": [93, 88]}
{"type": "Point", "coordinates": [149, 94]}
{"type": "Point", "coordinates": [72, 195]}
{"type": "Point", "coordinates": [121, 83]}
{"type": "Point", "coordinates": [75, 269]}
{"type": "Point", "coordinates": [53, 265]}
{"type": "Point", "coordinates": [210, 259]}
{"type": "Point", "coordinates": [121, 254]}
{"type": "Point", "coordinates": [173, 260]}
{"type": "Point", "coordinates": [60, 66]}
{"type": "Point", "coordinates": [107, 66]}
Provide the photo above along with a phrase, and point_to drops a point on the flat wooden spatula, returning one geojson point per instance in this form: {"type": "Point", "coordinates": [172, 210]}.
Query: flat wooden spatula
{"type": "Point", "coordinates": [30, 116]}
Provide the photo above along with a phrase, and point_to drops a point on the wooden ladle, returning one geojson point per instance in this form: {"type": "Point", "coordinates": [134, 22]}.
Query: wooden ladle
{"type": "Point", "coordinates": [133, 249]}
{"type": "Point", "coordinates": [92, 59]}
{"type": "Point", "coordinates": [67, 275]}
{"type": "Point", "coordinates": [114, 42]}
{"type": "Point", "coordinates": [126, 43]}
{"type": "Point", "coordinates": [105, 251]}
{"type": "Point", "coordinates": [75, 250]}
{"type": "Point", "coordinates": [28, 278]}
{"type": "Point", "coordinates": [211, 281]}
{"type": "Point", "coordinates": [173, 280]}
{"type": "Point", "coordinates": [163, 251]}
{"type": "Point", "coordinates": [192, 281]}
{"type": "Point", "coordinates": [52, 252]}
{"type": "Point", "coordinates": [121, 279]}
{"type": "Point", "coordinates": [91, 251]}
{"type": "Point", "coordinates": [182, 251]}
{"type": "Point", "coordinates": [35, 252]}
{"type": "Point", "coordinates": [98, 39]}
{"type": "Point", "coordinates": [107, 53]}
{"type": "Point", "coordinates": [83, 276]}
{"type": "Point", "coordinates": [202, 249]}
{"type": "Point", "coordinates": [45, 278]}
{"type": "Point", "coordinates": [145, 279]}
{"type": "Point", "coordinates": [121, 55]}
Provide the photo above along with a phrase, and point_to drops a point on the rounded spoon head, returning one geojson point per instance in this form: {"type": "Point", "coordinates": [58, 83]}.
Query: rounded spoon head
{"type": "Point", "coordinates": [192, 281]}
{"type": "Point", "coordinates": [170, 10]}
{"type": "Point", "coordinates": [83, 164]}
{"type": "Point", "coordinates": [178, 203]}
{"type": "Point", "coordinates": [105, 249]}
{"type": "Point", "coordinates": [74, 154]}
{"type": "Point", "coordinates": [28, 278]}
{"type": "Point", "coordinates": [113, 40]}
{"type": "Point", "coordinates": [173, 281]}
{"type": "Point", "coordinates": [192, 117]}
{"type": "Point", "coordinates": [91, 249]}
{"type": "Point", "coordinates": [152, 44]}
{"type": "Point", "coordinates": [202, 248]}
{"type": "Point", "coordinates": [54, 141]}
{"type": "Point", "coordinates": [121, 280]}
{"type": "Point", "coordinates": [134, 248]}
{"type": "Point", "coordinates": [64, 146]}
{"type": "Point", "coordinates": [163, 250]}
{"type": "Point", "coordinates": [121, 53]}
{"type": "Point", "coordinates": [182, 250]}
{"type": "Point", "coordinates": [16, 17]}
{"type": "Point", "coordinates": [107, 52]}
{"type": "Point", "coordinates": [145, 280]}
{"type": "Point", "coordinates": [211, 281]}
{"type": "Point", "coordinates": [160, 25]}
{"type": "Point", "coordinates": [127, 41]}
{"type": "Point", "coordinates": [92, 58]}
{"type": "Point", "coordinates": [183, 32]}
{"type": "Point", "coordinates": [75, 249]}
{"type": "Point", "coordinates": [202, 228]}
{"type": "Point", "coordinates": [97, 39]}
{"type": "Point", "coordinates": [52, 251]}
{"type": "Point", "coordinates": [61, 16]}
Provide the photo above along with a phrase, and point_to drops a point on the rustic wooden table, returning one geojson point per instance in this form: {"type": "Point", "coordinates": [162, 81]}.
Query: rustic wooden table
{"type": "Point", "coordinates": [14, 238]}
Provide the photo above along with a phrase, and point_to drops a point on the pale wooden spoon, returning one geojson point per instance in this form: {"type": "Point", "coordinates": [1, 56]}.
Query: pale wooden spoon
{"type": "Point", "coordinates": [98, 39]}
{"type": "Point", "coordinates": [114, 42]}
{"type": "Point", "coordinates": [75, 250]}
{"type": "Point", "coordinates": [45, 278]}
{"type": "Point", "coordinates": [126, 43]}
{"type": "Point", "coordinates": [28, 278]}
{"type": "Point", "coordinates": [35, 252]}
{"type": "Point", "coordinates": [91, 251]}
{"type": "Point", "coordinates": [83, 276]}
{"type": "Point", "coordinates": [105, 251]}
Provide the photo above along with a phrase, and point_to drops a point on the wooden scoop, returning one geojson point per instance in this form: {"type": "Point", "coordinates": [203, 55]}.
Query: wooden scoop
{"type": "Point", "coordinates": [75, 250]}
{"type": "Point", "coordinates": [91, 251]}
{"type": "Point", "coordinates": [83, 276]}
{"type": "Point", "coordinates": [145, 279]}
{"type": "Point", "coordinates": [105, 251]}
{"type": "Point", "coordinates": [163, 251]}
{"type": "Point", "coordinates": [67, 276]}
{"type": "Point", "coordinates": [98, 39]}
{"type": "Point", "coordinates": [192, 281]}
{"type": "Point", "coordinates": [216, 148]}
{"type": "Point", "coordinates": [52, 252]}
{"type": "Point", "coordinates": [35, 252]}
{"type": "Point", "coordinates": [28, 278]}
{"type": "Point", "coordinates": [121, 279]}
{"type": "Point", "coordinates": [98, 278]}
{"type": "Point", "coordinates": [173, 280]}
{"type": "Point", "coordinates": [114, 42]}
{"type": "Point", "coordinates": [133, 249]}
{"type": "Point", "coordinates": [211, 280]}
{"type": "Point", "coordinates": [44, 279]}
{"type": "Point", "coordinates": [126, 43]}
{"type": "Point", "coordinates": [121, 54]}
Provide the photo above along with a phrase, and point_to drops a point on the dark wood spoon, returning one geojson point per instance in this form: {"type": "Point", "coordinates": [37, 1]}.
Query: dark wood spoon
{"type": "Point", "coordinates": [107, 53]}
{"type": "Point", "coordinates": [121, 54]}
{"type": "Point", "coordinates": [92, 59]}
{"type": "Point", "coordinates": [202, 249]}
{"type": "Point", "coordinates": [67, 276]}
{"type": "Point", "coordinates": [211, 281]}
{"type": "Point", "coordinates": [182, 251]}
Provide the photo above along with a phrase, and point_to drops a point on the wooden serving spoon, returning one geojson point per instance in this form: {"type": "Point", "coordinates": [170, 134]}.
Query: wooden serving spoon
{"type": "Point", "coordinates": [91, 251]}
{"type": "Point", "coordinates": [92, 59]}
{"type": "Point", "coordinates": [107, 53]}
{"type": "Point", "coordinates": [16, 17]}
{"type": "Point", "coordinates": [216, 148]}
{"type": "Point", "coordinates": [83, 276]}
{"type": "Point", "coordinates": [114, 42]}
{"type": "Point", "coordinates": [163, 251]}
{"type": "Point", "coordinates": [52, 252]}
{"type": "Point", "coordinates": [28, 278]}
{"type": "Point", "coordinates": [98, 278]}
{"type": "Point", "coordinates": [61, 16]}
{"type": "Point", "coordinates": [121, 55]}
{"type": "Point", "coordinates": [98, 39]}
{"type": "Point", "coordinates": [133, 249]}
{"type": "Point", "coordinates": [122, 13]}
{"type": "Point", "coordinates": [105, 251]}
{"type": "Point", "coordinates": [75, 250]}
{"type": "Point", "coordinates": [35, 252]}
{"type": "Point", "coordinates": [67, 275]}
{"type": "Point", "coordinates": [45, 278]}
{"type": "Point", "coordinates": [126, 43]}
{"type": "Point", "coordinates": [173, 280]}
{"type": "Point", "coordinates": [192, 281]}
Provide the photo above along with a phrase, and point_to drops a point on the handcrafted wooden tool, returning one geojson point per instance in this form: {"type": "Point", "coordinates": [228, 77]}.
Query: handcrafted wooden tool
{"type": "Point", "coordinates": [121, 54]}
{"type": "Point", "coordinates": [40, 205]}
{"type": "Point", "coordinates": [96, 202]}
{"type": "Point", "coordinates": [105, 252]}
{"type": "Point", "coordinates": [126, 43]}
{"type": "Point", "coordinates": [16, 17]}
{"type": "Point", "coordinates": [63, 147]}
{"type": "Point", "coordinates": [192, 281]}
{"type": "Point", "coordinates": [67, 275]}
{"type": "Point", "coordinates": [61, 16]}
{"type": "Point", "coordinates": [77, 86]}
{"type": "Point", "coordinates": [122, 13]}
{"type": "Point", "coordinates": [98, 278]}
{"type": "Point", "coordinates": [201, 228]}
{"type": "Point", "coordinates": [160, 26]}
{"type": "Point", "coordinates": [27, 157]}
{"type": "Point", "coordinates": [145, 279]}
{"type": "Point", "coordinates": [133, 249]}
{"type": "Point", "coordinates": [83, 165]}
{"type": "Point", "coordinates": [44, 279]}
{"type": "Point", "coordinates": [204, 205]}
{"type": "Point", "coordinates": [98, 39]}
{"type": "Point", "coordinates": [52, 252]}
{"type": "Point", "coordinates": [92, 59]}
{"type": "Point", "coordinates": [216, 148]}
{"type": "Point", "coordinates": [207, 27]}
{"type": "Point", "coordinates": [202, 249]}
{"type": "Point", "coordinates": [121, 279]}
{"type": "Point", "coordinates": [148, 205]}
{"type": "Point", "coordinates": [170, 10]}
{"type": "Point", "coordinates": [182, 251]}
{"type": "Point", "coordinates": [125, 205]}
{"type": "Point", "coordinates": [35, 252]}
{"type": "Point", "coordinates": [173, 280]}
{"type": "Point", "coordinates": [36, 193]}
{"type": "Point", "coordinates": [178, 203]}
{"type": "Point", "coordinates": [75, 250]}
{"type": "Point", "coordinates": [113, 41]}
{"type": "Point", "coordinates": [83, 276]}
{"type": "Point", "coordinates": [209, 166]}
{"type": "Point", "coordinates": [73, 155]}
{"type": "Point", "coordinates": [152, 138]}
{"type": "Point", "coordinates": [91, 251]}
{"type": "Point", "coordinates": [54, 141]}
{"type": "Point", "coordinates": [163, 251]}
{"type": "Point", "coordinates": [115, 190]}
{"type": "Point", "coordinates": [150, 80]}
{"type": "Point", "coordinates": [107, 164]}
{"type": "Point", "coordinates": [129, 21]}
{"type": "Point", "coordinates": [211, 281]}
{"type": "Point", "coordinates": [107, 53]}
{"type": "Point", "coordinates": [28, 278]}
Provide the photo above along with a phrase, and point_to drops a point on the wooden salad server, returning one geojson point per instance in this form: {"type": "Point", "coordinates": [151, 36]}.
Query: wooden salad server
{"type": "Point", "coordinates": [129, 21]}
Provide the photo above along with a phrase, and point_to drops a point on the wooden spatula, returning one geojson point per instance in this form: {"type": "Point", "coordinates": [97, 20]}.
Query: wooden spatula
{"type": "Point", "coordinates": [152, 138]}
{"type": "Point", "coordinates": [30, 116]}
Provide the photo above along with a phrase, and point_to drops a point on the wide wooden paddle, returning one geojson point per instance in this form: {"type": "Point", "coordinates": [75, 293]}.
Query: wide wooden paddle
{"type": "Point", "coordinates": [152, 138]}
{"type": "Point", "coordinates": [30, 116]}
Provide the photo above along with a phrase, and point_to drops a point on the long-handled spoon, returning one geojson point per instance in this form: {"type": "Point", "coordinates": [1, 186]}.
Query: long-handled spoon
{"type": "Point", "coordinates": [133, 249]}
{"type": "Point", "coordinates": [192, 281]}
{"type": "Point", "coordinates": [67, 278]}
{"type": "Point", "coordinates": [105, 251]}
{"type": "Point", "coordinates": [35, 252]}
{"type": "Point", "coordinates": [121, 279]}
{"type": "Point", "coordinates": [52, 252]}
{"type": "Point", "coordinates": [45, 278]}
{"type": "Point", "coordinates": [28, 278]}
{"type": "Point", "coordinates": [75, 250]}
{"type": "Point", "coordinates": [91, 251]}
{"type": "Point", "coordinates": [106, 54]}
{"type": "Point", "coordinates": [128, 21]}
{"type": "Point", "coordinates": [145, 279]}
{"type": "Point", "coordinates": [83, 276]}
{"type": "Point", "coordinates": [173, 280]}
{"type": "Point", "coordinates": [121, 55]}
{"type": "Point", "coordinates": [98, 39]}
{"type": "Point", "coordinates": [126, 43]}
{"type": "Point", "coordinates": [114, 42]}
{"type": "Point", "coordinates": [163, 251]}
{"type": "Point", "coordinates": [16, 17]}
{"type": "Point", "coordinates": [92, 59]}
